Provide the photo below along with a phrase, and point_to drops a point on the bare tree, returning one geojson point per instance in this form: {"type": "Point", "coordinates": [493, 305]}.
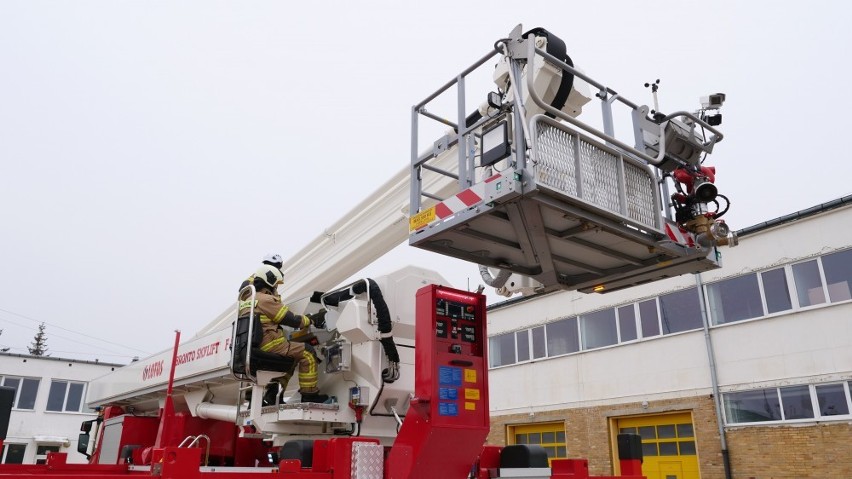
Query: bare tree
{"type": "Point", "coordinates": [39, 344]}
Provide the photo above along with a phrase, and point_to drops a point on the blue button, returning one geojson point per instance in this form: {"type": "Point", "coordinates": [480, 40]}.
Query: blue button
{"type": "Point", "coordinates": [457, 377]}
{"type": "Point", "coordinates": [445, 375]}
{"type": "Point", "coordinates": [448, 409]}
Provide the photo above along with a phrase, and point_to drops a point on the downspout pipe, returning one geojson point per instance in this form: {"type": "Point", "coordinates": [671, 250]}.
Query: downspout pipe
{"type": "Point", "coordinates": [714, 379]}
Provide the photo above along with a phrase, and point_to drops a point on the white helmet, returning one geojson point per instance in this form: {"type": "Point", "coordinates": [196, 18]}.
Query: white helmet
{"type": "Point", "coordinates": [272, 258]}
{"type": "Point", "coordinates": [270, 275]}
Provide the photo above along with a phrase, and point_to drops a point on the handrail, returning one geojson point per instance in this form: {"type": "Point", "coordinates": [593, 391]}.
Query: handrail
{"type": "Point", "coordinates": [533, 50]}
{"type": "Point", "coordinates": [253, 290]}
{"type": "Point", "coordinates": [194, 441]}
{"type": "Point", "coordinates": [450, 83]}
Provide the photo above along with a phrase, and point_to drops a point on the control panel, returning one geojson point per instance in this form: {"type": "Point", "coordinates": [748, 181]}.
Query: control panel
{"type": "Point", "coordinates": [447, 423]}
{"type": "Point", "coordinates": [458, 386]}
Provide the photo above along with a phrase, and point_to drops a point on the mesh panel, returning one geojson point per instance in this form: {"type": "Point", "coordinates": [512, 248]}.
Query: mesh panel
{"type": "Point", "coordinates": [556, 160]}
{"type": "Point", "coordinates": [557, 168]}
{"type": "Point", "coordinates": [600, 177]}
{"type": "Point", "coordinates": [640, 195]}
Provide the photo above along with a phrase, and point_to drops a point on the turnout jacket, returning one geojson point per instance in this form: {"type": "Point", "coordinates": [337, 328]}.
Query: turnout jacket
{"type": "Point", "coordinates": [272, 314]}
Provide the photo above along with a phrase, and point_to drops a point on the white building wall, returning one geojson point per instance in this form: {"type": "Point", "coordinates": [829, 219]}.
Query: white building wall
{"type": "Point", "coordinates": [56, 428]}
{"type": "Point", "coordinates": [798, 346]}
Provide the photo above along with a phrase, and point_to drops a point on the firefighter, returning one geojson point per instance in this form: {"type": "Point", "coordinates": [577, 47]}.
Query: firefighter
{"type": "Point", "coordinates": [273, 314]}
{"type": "Point", "coordinates": [271, 259]}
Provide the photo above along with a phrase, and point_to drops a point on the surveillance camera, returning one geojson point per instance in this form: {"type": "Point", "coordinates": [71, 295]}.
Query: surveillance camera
{"type": "Point", "coordinates": [713, 101]}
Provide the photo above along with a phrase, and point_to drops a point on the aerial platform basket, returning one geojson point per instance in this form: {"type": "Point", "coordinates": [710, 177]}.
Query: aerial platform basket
{"type": "Point", "coordinates": [571, 210]}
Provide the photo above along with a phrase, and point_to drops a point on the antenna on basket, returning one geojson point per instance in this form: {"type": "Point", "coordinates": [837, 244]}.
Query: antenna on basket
{"type": "Point", "coordinates": [654, 86]}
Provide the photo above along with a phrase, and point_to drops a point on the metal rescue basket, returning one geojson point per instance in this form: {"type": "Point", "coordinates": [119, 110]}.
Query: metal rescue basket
{"type": "Point", "coordinates": [547, 200]}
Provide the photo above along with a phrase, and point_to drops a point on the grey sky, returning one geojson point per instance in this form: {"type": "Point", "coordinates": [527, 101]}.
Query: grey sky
{"type": "Point", "coordinates": [152, 152]}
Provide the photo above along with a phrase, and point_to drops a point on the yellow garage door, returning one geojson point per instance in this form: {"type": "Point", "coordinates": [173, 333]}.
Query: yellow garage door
{"type": "Point", "coordinates": [668, 444]}
{"type": "Point", "coordinates": [550, 436]}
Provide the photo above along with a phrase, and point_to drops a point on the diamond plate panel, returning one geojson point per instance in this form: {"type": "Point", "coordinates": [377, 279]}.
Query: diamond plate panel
{"type": "Point", "coordinates": [367, 460]}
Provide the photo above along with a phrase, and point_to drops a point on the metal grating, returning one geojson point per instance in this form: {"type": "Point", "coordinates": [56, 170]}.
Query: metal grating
{"type": "Point", "coordinates": [640, 193]}
{"type": "Point", "coordinates": [599, 170]}
{"type": "Point", "coordinates": [557, 160]}
{"type": "Point", "coordinates": [566, 162]}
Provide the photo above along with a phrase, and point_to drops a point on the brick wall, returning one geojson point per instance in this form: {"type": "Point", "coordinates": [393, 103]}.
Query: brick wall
{"type": "Point", "coordinates": [787, 452]}
{"type": "Point", "coordinates": [778, 452]}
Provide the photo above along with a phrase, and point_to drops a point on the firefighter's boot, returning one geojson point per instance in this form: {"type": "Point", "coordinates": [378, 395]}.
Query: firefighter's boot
{"type": "Point", "coordinates": [271, 394]}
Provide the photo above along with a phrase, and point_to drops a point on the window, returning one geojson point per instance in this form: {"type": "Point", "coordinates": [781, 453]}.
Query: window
{"type": "Point", "coordinates": [562, 337]}
{"type": "Point", "coordinates": [550, 436]}
{"type": "Point", "coordinates": [680, 311]}
{"type": "Point", "coordinates": [522, 338]}
{"type": "Point", "coordinates": [808, 283]}
{"type": "Point", "coordinates": [662, 435]}
{"type": "Point", "coordinates": [14, 453]}
{"type": "Point", "coordinates": [788, 403]}
{"type": "Point", "coordinates": [797, 402]}
{"type": "Point", "coordinates": [65, 396]}
{"type": "Point", "coordinates": [41, 453]}
{"type": "Point", "coordinates": [25, 391]}
{"type": "Point", "coordinates": [598, 329]}
{"type": "Point", "coordinates": [627, 322]}
{"type": "Point", "coordinates": [816, 281]}
{"type": "Point", "coordinates": [735, 299]}
{"type": "Point", "coordinates": [501, 350]}
{"type": "Point", "coordinates": [776, 291]}
{"type": "Point", "coordinates": [538, 343]}
{"type": "Point", "coordinates": [753, 406]}
{"type": "Point", "coordinates": [649, 318]}
{"type": "Point", "coordinates": [832, 400]}
{"type": "Point", "coordinates": [838, 275]}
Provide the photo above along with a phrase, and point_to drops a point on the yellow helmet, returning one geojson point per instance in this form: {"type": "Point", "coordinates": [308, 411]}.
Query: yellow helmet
{"type": "Point", "coordinates": [270, 275]}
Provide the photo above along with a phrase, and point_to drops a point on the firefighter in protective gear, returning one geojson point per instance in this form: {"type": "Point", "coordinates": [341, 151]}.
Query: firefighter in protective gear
{"type": "Point", "coordinates": [273, 314]}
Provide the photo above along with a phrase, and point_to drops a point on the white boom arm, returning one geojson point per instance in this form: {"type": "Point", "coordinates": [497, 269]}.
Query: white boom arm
{"type": "Point", "coordinates": [372, 228]}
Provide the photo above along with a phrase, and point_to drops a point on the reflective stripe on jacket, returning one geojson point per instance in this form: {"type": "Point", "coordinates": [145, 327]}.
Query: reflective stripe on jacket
{"type": "Point", "coordinates": [273, 313]}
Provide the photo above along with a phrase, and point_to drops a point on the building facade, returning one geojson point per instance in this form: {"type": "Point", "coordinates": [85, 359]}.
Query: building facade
{"type": "Point", "coordinates": [752, 361]}
{"type": "Point", "coordinates": [48, 407]}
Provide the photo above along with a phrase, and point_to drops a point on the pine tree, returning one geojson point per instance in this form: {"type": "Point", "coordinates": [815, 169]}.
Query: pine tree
{"type": "Point", "coordinates": [39, 344]}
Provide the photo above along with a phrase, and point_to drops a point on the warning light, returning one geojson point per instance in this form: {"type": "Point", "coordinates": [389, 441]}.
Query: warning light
{"type": "Point", "coordinates": [598, 288]}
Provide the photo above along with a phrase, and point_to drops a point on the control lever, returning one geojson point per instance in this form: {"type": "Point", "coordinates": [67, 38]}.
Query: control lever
{"type": "Point", "coordinates": [390, 405]}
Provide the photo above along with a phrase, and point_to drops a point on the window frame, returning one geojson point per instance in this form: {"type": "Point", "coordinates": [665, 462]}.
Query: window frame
{"type": "Point", "coordinates": [791, 290]}
{"type": "Point", "coordinates": [555, 427]}
{"type": "Point", "coordinates": [16, 401]}
{"type": "Point", "coordinates": [68, 383]}
{"type": "Point", "coordinates": [820, 274]}
{"type": "Point", "coordinates": [568, 319]}
{"type": "Point", "coordinates": [812, 395]}
{"type": "Point", "coordinates": [5, 452]}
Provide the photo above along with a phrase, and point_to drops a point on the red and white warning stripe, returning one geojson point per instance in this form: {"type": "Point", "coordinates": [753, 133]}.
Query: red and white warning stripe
{"type": "Point", "coordinates": [464, 200]}
{"type": "Point", "coordinates": [679, 235]}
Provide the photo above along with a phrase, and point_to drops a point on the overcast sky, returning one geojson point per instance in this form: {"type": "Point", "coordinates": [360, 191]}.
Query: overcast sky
{"type": "Point", "coordinates": [152, 152]}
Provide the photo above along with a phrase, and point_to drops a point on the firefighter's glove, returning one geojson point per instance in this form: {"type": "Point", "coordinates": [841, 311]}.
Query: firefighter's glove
{"type": "Point", "coordinates": [318, 319]}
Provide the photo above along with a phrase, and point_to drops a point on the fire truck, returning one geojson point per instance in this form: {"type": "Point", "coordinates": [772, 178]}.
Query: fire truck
{"type": "Point", "coordinates": [540, 199]}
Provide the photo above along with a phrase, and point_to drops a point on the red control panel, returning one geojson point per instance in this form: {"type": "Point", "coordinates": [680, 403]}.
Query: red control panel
{"type": "Point", "coordinates": [458, 372]}
{"type": "Point", "coordinates": [446, 425]}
